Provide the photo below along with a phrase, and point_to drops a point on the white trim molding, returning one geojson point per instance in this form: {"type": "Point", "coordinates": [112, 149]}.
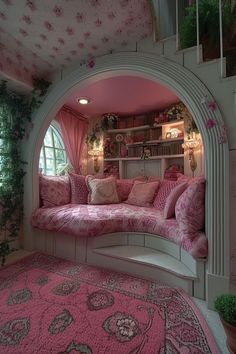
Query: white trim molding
{"type": "Point", "coordinates": [191, 91]}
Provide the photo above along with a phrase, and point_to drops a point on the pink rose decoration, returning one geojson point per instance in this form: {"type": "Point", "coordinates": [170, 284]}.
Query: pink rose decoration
{"type": "Point", "coordinates": [210, 123]}
{"type": "Point", "coordinates": [91, 64]}
{"type": "Point", "coordinates": [212, 106]}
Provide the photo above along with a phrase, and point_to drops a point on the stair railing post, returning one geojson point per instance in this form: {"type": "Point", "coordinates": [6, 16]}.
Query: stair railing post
{"type": "Point", "coordinates": [197, 26]}
{"type": "Point", "coordinates": [177, 23]}
{"type": "Point", "coordinates": [221, 39]}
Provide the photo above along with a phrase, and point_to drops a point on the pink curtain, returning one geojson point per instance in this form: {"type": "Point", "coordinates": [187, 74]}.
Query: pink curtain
{"type": "Point", "coordinates": [74, 130]}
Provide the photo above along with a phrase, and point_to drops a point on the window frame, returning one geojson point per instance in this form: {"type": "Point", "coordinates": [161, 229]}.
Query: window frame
{"type": "Point", "coordinates": [55, 131]}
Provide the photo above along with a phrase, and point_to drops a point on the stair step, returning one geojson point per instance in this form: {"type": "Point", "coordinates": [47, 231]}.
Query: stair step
{"type": "Point", "coordinates": [149, 257]}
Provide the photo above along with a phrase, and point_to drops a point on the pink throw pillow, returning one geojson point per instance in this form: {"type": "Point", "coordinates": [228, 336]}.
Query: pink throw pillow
{"type": "Point", "coordinates": [183, 178]}
{"type": "Point", "coordinates": [79, 189]}
{"type": "Point", "coordinates": [124, 187]}
{"type": "Point", "coordinates": [169, 210]}
{"type": "Point", "coordinates": [190, 208]}
{"type": "Point", "coordinates": [54, 190]}
{"type": "Point", "coordinates": [190, 180]}
{"type": "Point", "coordinates": [102, 191]}
{"type": "Point", "coordinates": [154, 179]}
{"type": "Point", "coordinates": [142, 193]}
{"type": "Point", "coordinates": [139, 178]}
{"type": "Point", "coordinates": [164, 190]}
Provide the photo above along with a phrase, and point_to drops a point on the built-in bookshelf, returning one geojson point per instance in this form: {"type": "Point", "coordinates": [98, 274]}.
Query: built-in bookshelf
{"type": "Point", "coordinates": [158, 143]}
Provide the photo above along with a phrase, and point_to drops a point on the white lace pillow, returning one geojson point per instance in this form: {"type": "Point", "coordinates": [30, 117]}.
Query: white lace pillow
{"type": "Point", "coordinates": [102, 191]}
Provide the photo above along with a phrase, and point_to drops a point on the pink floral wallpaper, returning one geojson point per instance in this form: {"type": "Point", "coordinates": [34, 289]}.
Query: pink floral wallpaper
{"type": "Point", "coordinates": [44, 36]}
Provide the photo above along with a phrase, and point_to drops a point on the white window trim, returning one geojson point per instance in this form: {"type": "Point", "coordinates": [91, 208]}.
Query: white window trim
{"type": "Point", "coordinates": [54, 124]}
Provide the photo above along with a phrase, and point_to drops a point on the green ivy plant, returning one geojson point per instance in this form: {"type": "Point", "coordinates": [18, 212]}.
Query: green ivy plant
{"type": "Point", "coordinates": [208, 23]}
{"type": "Point", "coordinates": [93, 139]}
{"type": "Point", "coordinates": [15, 115]}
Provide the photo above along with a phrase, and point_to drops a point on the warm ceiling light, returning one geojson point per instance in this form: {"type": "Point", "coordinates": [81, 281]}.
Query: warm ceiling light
{"type": "Point", "coordinates": [83, 100]}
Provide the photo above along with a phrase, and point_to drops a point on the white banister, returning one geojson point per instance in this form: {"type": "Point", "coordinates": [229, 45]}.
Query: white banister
{"type": "Point", "coordinates": [197, 26]}
{"type": "Point", "coordinates": [177, 23]}
{"type": "Point", "coordinates": [221, 39]}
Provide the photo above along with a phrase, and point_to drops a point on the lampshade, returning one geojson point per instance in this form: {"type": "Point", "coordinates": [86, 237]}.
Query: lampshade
{"type": "Point", "coordinates": [190, 144]}
{"type": "Point", "coordinates": [95, 152]}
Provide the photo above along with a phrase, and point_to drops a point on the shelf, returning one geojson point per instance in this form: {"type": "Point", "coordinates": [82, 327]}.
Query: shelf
{"type": "Point", "coordinates": [145, 127]}
{"type": "Point", "coordinates": [123, 130]}
{"type": "Point", "coordinates": [159, 141]}
{"type": "Point", "coordinates": [170, 123]}
{"type": "Point", "coordinates": [139, 158]}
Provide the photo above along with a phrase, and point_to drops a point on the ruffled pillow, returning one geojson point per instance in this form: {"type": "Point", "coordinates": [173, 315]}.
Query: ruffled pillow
{"type": "Point", "coordinates": [164, 190]}
{"type": "Point", "coordinates": [54, 190]}
{"type": "Point", "coordinates": [190, 209]}
{"type": "Point", "coordinates": [102, 191]}
{"type": "Point", "coordinates": [169, 210]}
{"type": "Point", "coordinates": [79, 189]}
{"type": "Point", "coordinates": [142, 193]}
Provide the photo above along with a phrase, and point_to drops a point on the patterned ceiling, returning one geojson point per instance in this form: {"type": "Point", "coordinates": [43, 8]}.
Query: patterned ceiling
{"type": "Point", "coordinates": [38, 37]}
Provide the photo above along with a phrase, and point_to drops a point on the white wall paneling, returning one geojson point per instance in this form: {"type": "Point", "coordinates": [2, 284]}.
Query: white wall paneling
{"type": "Point", "coordinates": [190, 88]}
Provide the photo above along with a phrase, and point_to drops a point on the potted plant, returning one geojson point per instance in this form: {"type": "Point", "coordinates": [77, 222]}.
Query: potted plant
{"type": "Point", "coordinates": [225, 305]}
{"type": "Point", "coordinates": [93, 138]}
{"type": "Point", "coordinates": [208, 26]}
{"type": "Point", "coordinates": [109, 121]}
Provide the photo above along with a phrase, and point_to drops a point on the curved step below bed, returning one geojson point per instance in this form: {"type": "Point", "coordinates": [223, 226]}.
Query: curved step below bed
{"type": "Point", "coordinates": [144, 255]}
{"type": "Point", "coordinates": [147, 256]}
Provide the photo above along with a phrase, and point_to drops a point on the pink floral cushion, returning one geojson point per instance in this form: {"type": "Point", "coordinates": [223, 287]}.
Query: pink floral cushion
{"type": "Point", "coordinates": [171, 172]}
{"type": "Point", "coordinates": [154, 179]}
{"type": "Point", "coordinates": [183, 178]}
{"type": "Point", "coordinates": [102, 191]}
{"type": "Point", "coordinates": [190, 209]}
{"type": "Point", "coordinates": [139, 178]}
{"type": "Point", "coordinates": [124, 187]}
{"type": "Point", "coordinates": [164, 190]}
{"type": "Point", "coordinates": [54, 190]}
{"type": "Point", "coordinates": [79, 189]}
{"type": "Point", "coordinates": [142, 193]}
{"type": "Point", "coordinates": [190, 180]}
{"type": "Point", "coordinates": [169, 210]}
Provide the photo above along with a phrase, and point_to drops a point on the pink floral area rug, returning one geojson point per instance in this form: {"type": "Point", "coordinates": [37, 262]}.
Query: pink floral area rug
{"type": "Point", "coordinates": [49, 305]}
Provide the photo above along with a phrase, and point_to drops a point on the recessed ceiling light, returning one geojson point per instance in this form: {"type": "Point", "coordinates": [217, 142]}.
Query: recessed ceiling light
{"type": "Point", "coordinates": [83, 100]}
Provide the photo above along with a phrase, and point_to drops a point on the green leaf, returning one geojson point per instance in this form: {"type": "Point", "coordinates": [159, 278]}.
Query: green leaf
{"type": "Point", "coordinates": [15, 113]}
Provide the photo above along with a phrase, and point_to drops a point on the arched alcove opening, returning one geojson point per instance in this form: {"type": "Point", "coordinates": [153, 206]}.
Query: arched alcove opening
{"type": "Point", "coordinates": [191, 91]}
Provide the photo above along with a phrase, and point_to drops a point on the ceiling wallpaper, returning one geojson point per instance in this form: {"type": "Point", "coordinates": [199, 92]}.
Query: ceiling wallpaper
{"type": "Point", "coordinates": [41, 36]}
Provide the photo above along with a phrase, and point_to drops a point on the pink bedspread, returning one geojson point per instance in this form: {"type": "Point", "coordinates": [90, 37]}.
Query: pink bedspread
{"type": "Point", "coordinates": [94, 220]}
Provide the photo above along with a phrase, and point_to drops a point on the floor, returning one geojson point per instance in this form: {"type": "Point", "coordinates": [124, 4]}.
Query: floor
{"type": "Point", "coordinates": [214, 323]}
{"type": "Point", "coordinates": [211, 317]}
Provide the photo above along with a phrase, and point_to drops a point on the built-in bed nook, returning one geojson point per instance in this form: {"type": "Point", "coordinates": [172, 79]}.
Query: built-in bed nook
{"type": "Point", "coordinates": [141, 209]}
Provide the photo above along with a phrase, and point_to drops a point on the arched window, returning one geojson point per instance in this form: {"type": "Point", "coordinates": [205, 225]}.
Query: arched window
{"type": "Point", "coordinates": [52, 156]}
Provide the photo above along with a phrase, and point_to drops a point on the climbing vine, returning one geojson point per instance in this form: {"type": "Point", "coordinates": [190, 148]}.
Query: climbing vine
{"type": "Point", "coordinates": [15, 117]}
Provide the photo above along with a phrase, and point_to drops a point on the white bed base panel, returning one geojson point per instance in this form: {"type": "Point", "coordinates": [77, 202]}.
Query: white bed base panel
{"type": "Point", "coordinates": [102, 251]}
{"type": "Point", "coordinates": [61, 245]}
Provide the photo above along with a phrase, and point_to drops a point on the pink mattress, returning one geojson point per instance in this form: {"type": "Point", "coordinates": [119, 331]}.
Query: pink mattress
{"type": "Point", "coordinates": [94, 220]}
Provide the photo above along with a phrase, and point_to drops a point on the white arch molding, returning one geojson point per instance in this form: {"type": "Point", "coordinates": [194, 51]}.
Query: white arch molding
{"type": "Point", "coordinates": [191, 91]}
